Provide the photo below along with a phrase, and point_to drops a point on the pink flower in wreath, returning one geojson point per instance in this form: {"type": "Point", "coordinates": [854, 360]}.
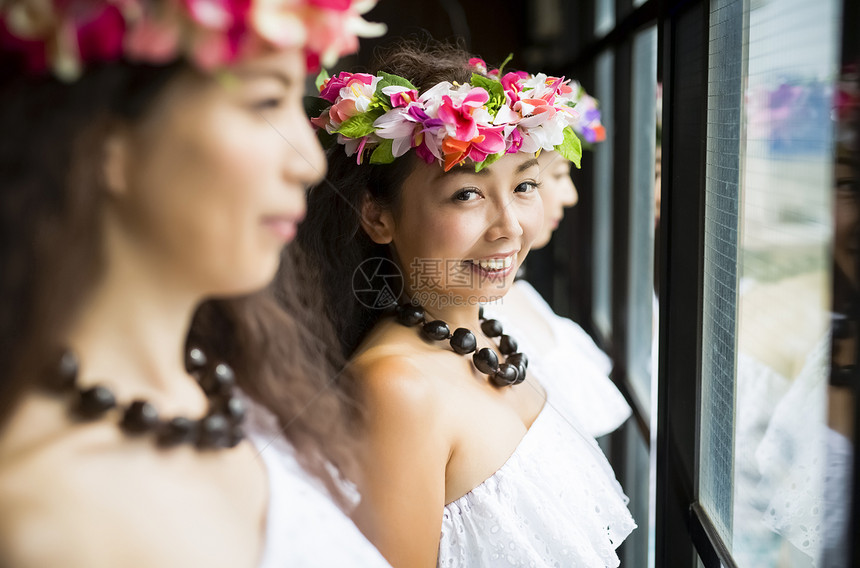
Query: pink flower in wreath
{"type": "Point", "coordinates": [534, 112]}
{"type": "Point", "coordinates": [457, 116]}
{"type": "Point", "coordinates": [62, 35]}
{"type": "Point", "coordinates": [339, 5]}
{"type": "Point", "coordinates": [220, 15]}
{"type": "Point", "coordinates": [153, 40]}
{"type": "Point", "coordinates": [493, 142]}
{"type": "Point", "coordinates": [353, 97]}
{"type": "Point", "coordinates": [489, 140]}
{"type": "Point", "coordinates": [512, 84]}
{"type": "Point", "coordinates": [479, 65]}
{"type": "Point", "coordinates": [400, 96]}
{"type": "Point", "coordinates": [222, 30]}
{"type": "Point", "coordinates": [515, 142]}
{"type": "Point", "coordinates": [333, 85]}
{"type": "Point", "coordinates": [327, 24]}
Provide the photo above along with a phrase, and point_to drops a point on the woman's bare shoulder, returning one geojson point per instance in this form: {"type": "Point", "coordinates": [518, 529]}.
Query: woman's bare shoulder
{"type": "Point", "coordinates": [389, 375]}
{"type": "Point", "coordinates": [398, 375]}
{"type": "Point", "coordinates": [44, 483]}
{"type": "Point", "coordinates": [86, 494]}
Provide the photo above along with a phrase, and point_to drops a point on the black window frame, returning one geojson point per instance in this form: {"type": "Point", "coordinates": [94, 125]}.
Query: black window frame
{"type": "Point", "coordinates": [683, 530]}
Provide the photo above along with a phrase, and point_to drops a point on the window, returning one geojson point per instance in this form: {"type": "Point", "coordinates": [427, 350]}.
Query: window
{"type": "Point", "coordinates": [603, 227]}
{"type": "Point", "coordinates": [640, 280]}
{"type": "Point", "coordinates": [768, 226]}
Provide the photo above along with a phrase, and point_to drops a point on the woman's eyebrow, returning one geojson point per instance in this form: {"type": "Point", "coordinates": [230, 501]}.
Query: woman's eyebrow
{"type": "Point", "coordinates": [469, 169]}
{"type": "Point", "coordinates": [526, 165]}
{"type": "Point", "coordinates": [282, 77]}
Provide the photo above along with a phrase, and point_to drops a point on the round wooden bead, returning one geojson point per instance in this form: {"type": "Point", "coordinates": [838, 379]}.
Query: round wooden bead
{"type": "Point", "coordinates": [220, 381]}
{"type": "Point", "coordinates": [517, 359]}
{"type": "Point", "coordinates": [486, 361]}
{"type": "Point", "coordinates": [214, 432]}
{"type": "Point", "coordinates": [67, 370]}
{"type": "Point", "coordinates": [409, 314]}
{"type": "Point", "coordinates": [507, 344]}
{"type": "Point", "coordinates": [195, 360]}
{"type": "Point", "coordinates": [140, 416]}
{"type": "Point", "coordinates": [179, 430]}
{"type": "Point", "coordinates": [237, 434]}
{"type": "Point", "coordinates": [436, 330]}
{"type": "Point", "coordinates": [491, 328]}
{"type": "Point", "coordinates": [95, 402]}
{"type": "Point", "coordinates": [463, 341]}
{"type": "Point", "coordinates": [505, 376]}
{"type": "Point", "coordinates": [521, 374]}
{"type": "Point", "coordinates": [234, 409]}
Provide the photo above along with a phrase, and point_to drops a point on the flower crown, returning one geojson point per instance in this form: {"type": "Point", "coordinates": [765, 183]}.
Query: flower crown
{"type": "Point", "coordinates": [61, 36]}
{"type": "Point", "coordinates": [479, 122]}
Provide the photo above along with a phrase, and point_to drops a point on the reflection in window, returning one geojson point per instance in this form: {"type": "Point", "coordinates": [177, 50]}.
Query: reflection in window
{"type": "Point", "coordinates": [640, 286]}
{"type": "Point", "coordinates": [637, 549]}
{"type": "Point", "coordinates": [604, 17]}
{"type": "Point", "coordinates": [603, 156]}
{"type": "Point", "coordinates": [783, 343]}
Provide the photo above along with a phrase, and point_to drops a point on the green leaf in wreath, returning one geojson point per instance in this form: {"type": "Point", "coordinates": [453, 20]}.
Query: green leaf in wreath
{"type": "Point", "coordinates": [321, 78]}
{"type": "Point", "coordinates": [571, 148]}
{"type": "Point", "coordinates": [383, 154]}
{"type": "Point", "coordinates": [361, 124]}
{"type": "Point", "coordinates": [488, 161]}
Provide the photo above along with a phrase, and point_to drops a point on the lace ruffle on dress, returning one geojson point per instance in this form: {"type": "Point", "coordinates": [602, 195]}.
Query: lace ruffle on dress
{"type": "Point", "coordinates": [554, 503]}
{"type": "Point", "coordinates": [573, 359]}
{"type": "Point", "coordinates": [792, 471]}
{"type": "Point", "coordinates": [304, 527]}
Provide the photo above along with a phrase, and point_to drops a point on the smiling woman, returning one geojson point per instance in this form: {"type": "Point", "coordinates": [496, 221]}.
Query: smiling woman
{"type": "Point", "coordinates": [154, 163]}
{"type": "Point", "coordinates": [486, 219]}
{"type": "Point", "coordinates": [480, 452]}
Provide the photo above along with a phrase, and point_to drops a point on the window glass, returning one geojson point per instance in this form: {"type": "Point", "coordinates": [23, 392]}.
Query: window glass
{"type": "Point", "coordinates": [604, 17]}
{"type": "Point", "coordinates": [719, 295]}
{"type": "Point", "coordinates": [640, 286]}
{"type": "Point", "coordinates": [784, 301]}
{"type": "Point", "coordinates": [637, 549]}
{"type": "Point", "coordinates": [766, 445]}
{"type": "Point", "coordinates": [603, 156]}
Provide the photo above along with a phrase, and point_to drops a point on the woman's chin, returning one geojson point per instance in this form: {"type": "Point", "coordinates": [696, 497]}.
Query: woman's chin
{"type": "Point", "coordinates": [245, 284]}
{"type": "Point", "coordinates": [541, 241]}
{"type": "Point", "coordinates": [494, 292]}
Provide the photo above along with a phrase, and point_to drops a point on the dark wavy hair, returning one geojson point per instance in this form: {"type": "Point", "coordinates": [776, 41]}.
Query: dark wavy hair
{"type": "Point", "coordinates": [50, 259]}
{"type": "Point", "coordinates": [331, 243]}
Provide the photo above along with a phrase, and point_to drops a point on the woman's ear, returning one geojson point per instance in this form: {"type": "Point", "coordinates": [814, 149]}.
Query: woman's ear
{"type": "Point", "coordinates": [376, 220]}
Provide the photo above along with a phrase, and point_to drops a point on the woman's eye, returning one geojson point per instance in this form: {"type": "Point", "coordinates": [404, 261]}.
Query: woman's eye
{"type": "Point", "coordinates": [268, 104]}
{"type": "Point", "coordinates": [467, 195]}
{"type": "Point", "coordinates": [526, 187]}
{"type": "Point", "coordinates": [847, 185]}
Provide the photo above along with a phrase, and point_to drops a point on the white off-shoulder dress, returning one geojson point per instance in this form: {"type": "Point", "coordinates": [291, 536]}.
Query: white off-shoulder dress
{"type": "Point", "coordinates": [304, 527]}
{"type": "Point", "coordinates": [554, 503]}
{"type": "Point", "coordinates": [571, 357]}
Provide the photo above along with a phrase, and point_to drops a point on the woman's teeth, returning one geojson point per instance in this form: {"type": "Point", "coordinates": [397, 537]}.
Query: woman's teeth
{"type": "Point", "coordinates": [495, 263]}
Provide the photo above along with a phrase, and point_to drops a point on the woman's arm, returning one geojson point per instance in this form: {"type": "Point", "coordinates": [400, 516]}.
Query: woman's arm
{"type": "Point", "coordinates": [403, 462]}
